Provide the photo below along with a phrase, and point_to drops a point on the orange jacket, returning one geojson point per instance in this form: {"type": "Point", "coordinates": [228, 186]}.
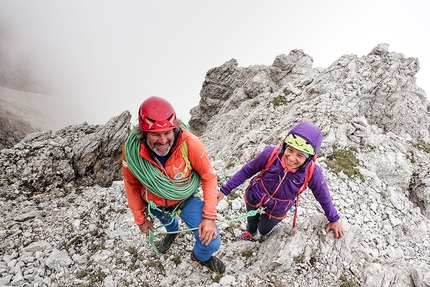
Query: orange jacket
{"type": "Point", "coordinates": [174, 166]}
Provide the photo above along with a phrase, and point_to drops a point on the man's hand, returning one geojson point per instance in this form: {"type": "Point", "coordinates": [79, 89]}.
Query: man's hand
{"type": "Point", "coordinates": [337, 229]}
{"type": "Point", "coordinates": [207, 231]}
{"type": "Point", "coordinates": [146, 226]}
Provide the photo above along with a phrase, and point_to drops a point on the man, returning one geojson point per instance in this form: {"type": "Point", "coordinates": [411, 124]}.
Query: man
{"type": "Point", "coordinates": [163, 165]}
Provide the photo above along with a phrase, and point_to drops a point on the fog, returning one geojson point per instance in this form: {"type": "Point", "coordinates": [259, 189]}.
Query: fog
{"type": "Point", "coordinates": [100, 58]}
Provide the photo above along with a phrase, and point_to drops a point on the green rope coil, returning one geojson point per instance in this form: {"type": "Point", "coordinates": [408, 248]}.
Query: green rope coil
{"type": "Point", "coordinates": [152, 178]}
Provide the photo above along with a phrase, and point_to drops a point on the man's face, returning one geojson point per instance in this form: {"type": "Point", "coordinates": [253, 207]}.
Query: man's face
{"type": "Point", "coordinates": [160, 142]}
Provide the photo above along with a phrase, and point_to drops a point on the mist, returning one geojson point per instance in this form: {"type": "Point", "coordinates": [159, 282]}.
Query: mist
{"type": "Point", "coordinates": [99, 58]}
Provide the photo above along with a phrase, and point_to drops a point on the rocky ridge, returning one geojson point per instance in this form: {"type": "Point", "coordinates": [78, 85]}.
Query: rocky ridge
{"type": "Point", "coordinates": [65, 215]}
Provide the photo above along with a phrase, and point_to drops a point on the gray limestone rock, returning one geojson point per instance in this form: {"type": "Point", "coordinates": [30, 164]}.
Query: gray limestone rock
{"type": "Point", "coordinates": [65, 221]}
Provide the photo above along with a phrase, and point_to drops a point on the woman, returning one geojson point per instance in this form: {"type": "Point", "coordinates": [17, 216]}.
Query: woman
{"type": "Point", "coordinates": [275, 189]}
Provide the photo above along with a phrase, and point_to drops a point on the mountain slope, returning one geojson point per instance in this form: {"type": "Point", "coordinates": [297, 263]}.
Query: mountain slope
{"type": "Point", "coordinates": [372, 114]}
{"type": "Point", "coordinates": [369, 108]}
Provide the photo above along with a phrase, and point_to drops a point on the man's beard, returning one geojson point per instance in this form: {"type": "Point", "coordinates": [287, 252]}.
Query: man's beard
{"type": "Point", "coordinates": [162, 150]}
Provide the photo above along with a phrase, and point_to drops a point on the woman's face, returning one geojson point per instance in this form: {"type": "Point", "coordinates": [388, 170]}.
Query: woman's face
{"type": "Point", "coordinates": [160, 142]}
{"type": "Point", "coordinates": [293, 158]}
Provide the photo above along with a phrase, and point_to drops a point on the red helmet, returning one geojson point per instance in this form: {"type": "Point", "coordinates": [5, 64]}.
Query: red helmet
{"type": "Point", "coordinates": [156, 115]}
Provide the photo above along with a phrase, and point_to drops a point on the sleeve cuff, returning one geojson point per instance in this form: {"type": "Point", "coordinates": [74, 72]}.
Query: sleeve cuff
{"type": "Point", "coordinates": [224, 191]}
{"type": "Point", "coordinates": [212, 219]}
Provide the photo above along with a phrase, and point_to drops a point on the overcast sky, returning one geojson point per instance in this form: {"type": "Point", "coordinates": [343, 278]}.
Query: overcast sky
{"type": "Point", "coordinates": [108, 56]}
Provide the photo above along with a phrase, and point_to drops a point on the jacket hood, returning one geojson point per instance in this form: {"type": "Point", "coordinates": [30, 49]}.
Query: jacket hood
{"type": "Point", "coordinates": [311, 133]}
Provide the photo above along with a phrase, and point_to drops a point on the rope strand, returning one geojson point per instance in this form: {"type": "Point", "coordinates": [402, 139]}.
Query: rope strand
{"type": "Point", "coordinates": [151, 234]}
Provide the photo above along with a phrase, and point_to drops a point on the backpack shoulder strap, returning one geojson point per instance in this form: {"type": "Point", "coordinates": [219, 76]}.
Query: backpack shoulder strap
{"type": "Point", "coordinates": [271, 159]}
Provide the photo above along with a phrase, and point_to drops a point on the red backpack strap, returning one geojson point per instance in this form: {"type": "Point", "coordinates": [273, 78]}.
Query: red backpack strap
{"type": "Point", "coordinates": [308, 175]}
{"type": "Point", "coordinates": [270, 161]}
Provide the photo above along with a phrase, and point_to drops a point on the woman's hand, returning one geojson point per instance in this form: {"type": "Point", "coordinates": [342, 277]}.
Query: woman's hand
{"type": "Point", "coordinates": [337, 228]}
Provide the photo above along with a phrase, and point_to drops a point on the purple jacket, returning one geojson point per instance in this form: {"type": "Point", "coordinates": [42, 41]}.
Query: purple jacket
{"type": "Point", "coordinates": [292, 182]}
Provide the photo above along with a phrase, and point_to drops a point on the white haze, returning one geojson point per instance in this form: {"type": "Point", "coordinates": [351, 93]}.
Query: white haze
{"type": "Point", "coordinates": [104, 57]}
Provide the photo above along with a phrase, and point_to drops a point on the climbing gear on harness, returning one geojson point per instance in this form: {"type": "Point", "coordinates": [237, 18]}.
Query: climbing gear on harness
{"type": "Point", "coordinates": [156, 115]}
{"type": "Point", "coordinates": [213, 264]}
{"type": "Point", "coordinates": [299, 143]}
{"type": "Point", "coordinates": [157, 182]}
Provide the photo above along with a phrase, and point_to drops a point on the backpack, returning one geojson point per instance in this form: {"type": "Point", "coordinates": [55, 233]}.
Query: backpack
{"type": "Point", "coordinates": [308, 175]}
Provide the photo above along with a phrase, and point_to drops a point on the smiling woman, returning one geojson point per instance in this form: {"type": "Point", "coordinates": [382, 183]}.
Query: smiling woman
{"type": "Point", "coordinates": [293, 158]}
{"type": "Point", "coordinates": [278, 175]}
